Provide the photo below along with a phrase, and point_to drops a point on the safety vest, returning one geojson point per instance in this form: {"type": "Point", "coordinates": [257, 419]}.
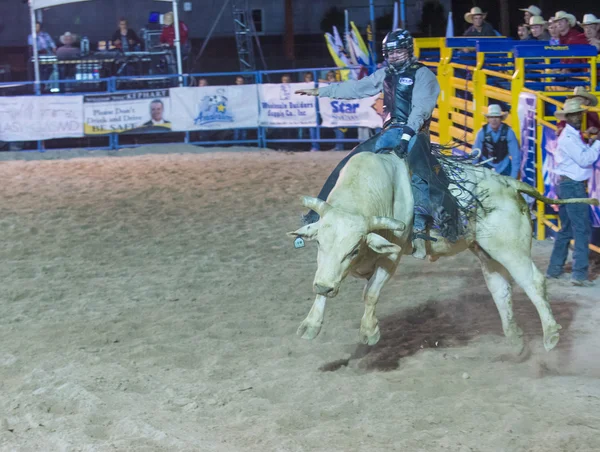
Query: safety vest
{"type": "Point", "coordinates": [498, 150]}
{"type": "Point", "coordinates": [397, 93]}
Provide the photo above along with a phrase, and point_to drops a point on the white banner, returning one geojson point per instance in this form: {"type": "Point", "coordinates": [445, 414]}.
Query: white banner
{"type": "Point", "coordinates": [367, 112]}
{"type": "Point", "coordinates": [139, 112]}
{"type": "Point", "coordinates": [280, 107]}
{"type": "Point", "coordinates": [27, 118]}
{"type": "Point", "coordinates": [39, 4]}
{"type": "Point", "coordinates": [215, 107]}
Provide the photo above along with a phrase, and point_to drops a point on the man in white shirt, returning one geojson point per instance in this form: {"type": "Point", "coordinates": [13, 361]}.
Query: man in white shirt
{"type": "Point", "coordinates": [574, 166]}
{"type": "Point", "coordinates": [157, 109]}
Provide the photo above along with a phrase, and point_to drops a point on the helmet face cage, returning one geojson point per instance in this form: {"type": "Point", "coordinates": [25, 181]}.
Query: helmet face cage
{"type": "Point", "coordinates": [398, 39]}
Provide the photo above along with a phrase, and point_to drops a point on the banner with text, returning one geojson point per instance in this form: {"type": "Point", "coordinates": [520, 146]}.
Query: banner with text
{"type": "Point", "coordinates": [139, 112]}
{"type": "Point", "coordinates": [215, 107]}
{"type": "Point", "coordinates": [280, 107]}
{"type": "Point", "coordinates": [26, 118]}
{"type": "Point", "coordinates": [367, 112]}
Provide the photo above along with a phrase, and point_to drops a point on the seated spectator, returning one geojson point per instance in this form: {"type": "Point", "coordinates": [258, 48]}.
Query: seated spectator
{"type": "Point", "coordinates": [537, 26]}
{"type": "Point", "coordinates": [591, 28]}
{"type": "Point", "coordinates": [523, 33]}
{"type": "Point", "coordinates": [568, 34]}
{"type": "Point", "coordinates": [497, 141]}
{"type": "Point", "coordinates": [125, 38]}
{"type": "Point", "coordinates": [286, 78]}
{"type": "Point", "coordinates": [314, 147]}
{"type": "Point", "coordinates": [202, 82]}
{"type": "Point", "coordinates": [68, 51]}
{"type": "Point", "coordinates": [339, 133]}
{"type": "Point", "coordinates": [239, 80]}
{"type": "Point", "coordinates": [553, 32]}
{"type": "Point", "coordinates": [167, 37]}
{"type": "Point", "coordinates": [529, 12]}
{"type": "Point", "coordinates": [479, 26]}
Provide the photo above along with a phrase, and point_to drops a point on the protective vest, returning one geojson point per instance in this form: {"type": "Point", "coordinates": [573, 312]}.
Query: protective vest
{"type": "Point", "coordinates": [398, 91]}
{"type": "Point", "coordinates": [498, 150]}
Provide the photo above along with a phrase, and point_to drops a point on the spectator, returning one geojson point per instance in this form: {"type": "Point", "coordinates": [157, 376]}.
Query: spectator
{"type": "Point", "coordinates": [537, 25]}
{"type": "Point", "coordinates": [125, 38]}
{"type": "Point", "coordinates": [497, 141]}
{"type": "Point", "coordinates": [574, 165]}
{"type": "Point", "coordinates": [68, 51]}
{"type": "Point", "coordinates": [479, 26]}
{"type": "Point", "coordinates": [523, 33]}
{"type": "Point", "coordinates": [45, 43]}
{"type": "Point", "coordinates": [591, 27]}
{"type": "Point", "coordinates": [45, 46]}
{"type": "Point", "coordinates": [314, 146]}
{"type": "Point", "coordinates": [202, 82]}
{"type": "Point", "coordinates": [240, 134]}
{"type": "Point", "coordinates": [286, 78]}
{"type": "Point", "coordinates": [553, 32]}
{"type": "Point", "coordinates": [529, 12]}
{"type": "Point", "coordinates": [339, 133]}
{"type": "Point", "coordinates": [167, 36]}
{"type": "Point", "coordinates": [568, 35]}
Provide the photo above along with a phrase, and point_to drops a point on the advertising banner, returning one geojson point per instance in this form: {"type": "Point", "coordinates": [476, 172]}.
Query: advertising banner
{"type": "Point", "coordinates": [280, 107]}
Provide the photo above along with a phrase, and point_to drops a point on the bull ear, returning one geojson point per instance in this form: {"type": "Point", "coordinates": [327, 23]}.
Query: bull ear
{"type": "Point", "coordinates": [385, 223]}
{"type": "Point", "coordinates": [381, 245]}
{"type": "Point", "coordinates": [316, 204]}
{"type": "Point", "coordinates": [308, 232]}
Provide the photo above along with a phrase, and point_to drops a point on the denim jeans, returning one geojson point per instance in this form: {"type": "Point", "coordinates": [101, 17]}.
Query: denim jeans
{"type": "Point", "coordinates": [575, 224]}
{"type": "Point", "coordinates": [420, 187]}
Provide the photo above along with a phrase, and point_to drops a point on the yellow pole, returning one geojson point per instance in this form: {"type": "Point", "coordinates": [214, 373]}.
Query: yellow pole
{"type": "Point", "coordinates": [516, 86]}
{"type": "Point", "coordinates": [539, 174]}
{"type": "Point", "coordinates": [445, 73]}
{"type": "Point", "coordinates": [479, 82]}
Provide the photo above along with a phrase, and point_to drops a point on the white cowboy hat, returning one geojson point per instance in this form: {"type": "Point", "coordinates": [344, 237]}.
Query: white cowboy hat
{"type": "Point", "coordinates": [589, 19]}
{"type": "Point", "coordinates": [581, 92]}
{"type": "Point", "coordinates": [572, 105]}
{"type": "Point", "coordinates": [533, 10]}
{"type": "Point", "coordinates": [537, 20]}
{"type": "Point", "coordinates": [564, 15]}
{"type": "Point", "coordinates": [67, 34]}
{"type": "Point", "coordinates": [475, 11]}
{"type": "Point", "coordinates": [494, 111]}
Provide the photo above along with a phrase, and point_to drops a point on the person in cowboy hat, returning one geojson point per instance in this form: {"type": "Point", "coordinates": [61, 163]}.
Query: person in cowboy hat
{"type": "Point", "coordinates": [591, 29]}
{"type": "Point", "coordinates": [529, 12]}
{"type": "Point", "coordinates": [574, 161]}
{"type": "Point", "coordinates": [68, 50]}
{"type": "Point", "coordinates": [524, 33]}
{"type": "Point", "coordinates": [553, 32]}
{"type": "Point", "coordinates": [587, 99]}
{"type": "Point", "coordinates": [498, 144]}
{"type": "Point", "coordinates": [565, 24]}
{"type": "Point", "coordinates": [479, 26]}
{"type": "Point", "coordinates": [537, 26]}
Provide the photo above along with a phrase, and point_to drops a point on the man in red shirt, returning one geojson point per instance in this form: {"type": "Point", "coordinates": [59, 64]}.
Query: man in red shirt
{"type": "Point", "coordinates": [168, 32]}
{"type": "Point", "coordinates": [569, 35]}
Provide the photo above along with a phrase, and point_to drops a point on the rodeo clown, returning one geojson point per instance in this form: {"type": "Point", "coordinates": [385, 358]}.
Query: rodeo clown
{"type": "Point", "coordinates": [410, 92]}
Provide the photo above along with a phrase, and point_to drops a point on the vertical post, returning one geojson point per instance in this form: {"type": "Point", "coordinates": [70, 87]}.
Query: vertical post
{"type": "Point", "coordinates": [36, 63]}
{"type": "Point", "coordinates": [403, 14]}
{"type": "Point", "coordinates": [594, 73]}
{"type": "Point", "coordinates": [479, 82]}
{"type": "Point", "coordinates": [516, 86]}
{"type": "Point", "coordinates": [539, 175]}
{"type": "Point", "coordinates": [373, 30]}
{"type": "Point", "coordinates": [445, 73]}
{"type": "Point", "coordinates": [177, 40]}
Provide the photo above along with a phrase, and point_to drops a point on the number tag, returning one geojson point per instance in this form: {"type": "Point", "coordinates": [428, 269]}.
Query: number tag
{"type": "Point", "coordinates": [299, 242]}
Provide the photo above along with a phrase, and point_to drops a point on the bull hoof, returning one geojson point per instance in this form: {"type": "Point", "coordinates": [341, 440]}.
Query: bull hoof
{"type": "Point", "coordinates": [515, 337]}
{"type": "Point", "coordinates": [370, 338]}
{"type": "Point", "coordinates": [551, 336]}
{"type": "Point", "coordinates": [308, 331]}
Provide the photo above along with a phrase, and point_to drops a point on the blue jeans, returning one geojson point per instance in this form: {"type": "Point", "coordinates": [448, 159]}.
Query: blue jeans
{"type": "Point", "coordinates": [575, 223]}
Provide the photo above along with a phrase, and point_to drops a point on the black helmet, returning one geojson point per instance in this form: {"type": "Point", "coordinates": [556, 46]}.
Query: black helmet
{"type": "Point", "coordinates": [399, 39]}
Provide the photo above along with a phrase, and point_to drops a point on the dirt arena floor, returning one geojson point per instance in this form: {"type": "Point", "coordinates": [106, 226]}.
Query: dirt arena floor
{"type": "Point", "coordinates": [150, 303]}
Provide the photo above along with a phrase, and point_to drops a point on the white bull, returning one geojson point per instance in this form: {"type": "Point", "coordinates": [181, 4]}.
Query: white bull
{"type": "Point", "coordinates": [362, 231]}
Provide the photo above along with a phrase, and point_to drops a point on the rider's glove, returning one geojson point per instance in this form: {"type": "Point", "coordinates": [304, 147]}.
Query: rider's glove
{"type": "Point", "coordinates": [402, 148]}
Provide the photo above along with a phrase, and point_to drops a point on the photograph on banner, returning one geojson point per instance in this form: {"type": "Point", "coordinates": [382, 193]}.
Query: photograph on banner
{"type": "Point", "coordinates": [367, 112]}
{"type": "Point", "coordinates": [281, 107]}
{"type": "Point", "coordinates": [137, 112]}
{"type": "Point", "coordinates": [27, 118]}
{"type": "Point", "coordinates": [214, 107]}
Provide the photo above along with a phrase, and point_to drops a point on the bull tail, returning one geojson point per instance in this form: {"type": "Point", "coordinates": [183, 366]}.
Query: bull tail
{"type": "Point", "coordinates": [528, 189]}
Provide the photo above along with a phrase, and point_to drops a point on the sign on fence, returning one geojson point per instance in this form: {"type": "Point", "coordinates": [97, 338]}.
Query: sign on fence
{"type": "Point", "coordinates": [26, 118]}
{"type": "Point", "coordinates": [367, 112]}
{"type": "Point", "coordinates": [215, 107]}
{"type": "Point", "coordinates": [137, 112]}
{"type": "Point", "coordinates": [280, 107]}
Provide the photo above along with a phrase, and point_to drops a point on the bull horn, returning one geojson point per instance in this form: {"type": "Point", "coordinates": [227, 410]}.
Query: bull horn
{"type": "Point", "coordinates": [379, 223]}
{"type": "Point", "coordinates": [316, 204]}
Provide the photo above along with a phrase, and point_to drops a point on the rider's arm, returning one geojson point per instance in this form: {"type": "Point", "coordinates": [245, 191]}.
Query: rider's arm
{"type": "Point", "coordinates": [515, 153]}
{"type": "Point", "coordinates": [478, 144]}
{"type": "Point", "coordinates": [355, 89]}
{"type": "Point", "coordinates": [424, 98]}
